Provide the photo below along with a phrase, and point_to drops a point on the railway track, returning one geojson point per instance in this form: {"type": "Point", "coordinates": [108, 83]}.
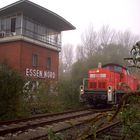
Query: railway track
{"type": "Point", "coordinates": [37, 127]}
{"type": "Point", "coordinates": [112, 131]}
{"type": "Point", "coordinates": [115, 131]}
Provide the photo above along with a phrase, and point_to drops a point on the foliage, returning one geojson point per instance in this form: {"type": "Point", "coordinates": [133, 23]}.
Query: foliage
{"type": "Point", "coordinates": [11, 95]}
{"type": "Point", "coordinates": [78, 72]}
{"type": "Point", "coordinates": [107, 138]}
{"type": "Point", "coordinates": [68, 94]}
{"type": "Point", "coordinates": [130, 124]}
{"type": "Point", "coordinates": [20, 97]}
{"type": "Point", "coordinates": [129, 115]}
{"type": "Point", "coordinates": [53, 136]}
{"type": "Point", "coordinates": [43, 98]}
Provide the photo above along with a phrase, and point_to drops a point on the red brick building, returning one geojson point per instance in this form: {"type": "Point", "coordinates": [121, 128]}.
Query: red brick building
{"type": "Point", "coordinates": [30, 39]}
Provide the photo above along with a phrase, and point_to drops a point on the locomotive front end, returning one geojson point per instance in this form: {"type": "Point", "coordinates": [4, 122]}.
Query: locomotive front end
{"type": "Point", "coordinates": [94, 89]}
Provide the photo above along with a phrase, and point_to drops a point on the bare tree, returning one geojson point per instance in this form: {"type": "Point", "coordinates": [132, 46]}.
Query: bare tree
{"type": "Point", "coordinates": [105, 45]}
{"type": "Point", "coordinates": [93, 41]}
{"type": "Point", "coordinates": [67, 56]}
{"type": "Point", "coordinates": [126, 38]}
{"type": "Point", "coordinates": [80, 55]}
{"type": "Point", "coordinates": [106, 35]}
{"type": "Point", "coordinates": [90, 41]}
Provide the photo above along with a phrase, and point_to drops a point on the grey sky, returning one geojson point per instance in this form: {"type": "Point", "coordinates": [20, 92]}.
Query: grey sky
{"type": "Point", "coordinates": [118, 14]}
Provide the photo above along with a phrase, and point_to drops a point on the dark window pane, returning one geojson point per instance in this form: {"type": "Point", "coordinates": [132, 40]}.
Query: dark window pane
{"type": "Point", "coordinates": [93, 85]}
{"type": "Point", "coordinates": [48, 63]}
{"type": "Point", "coordinates": [35, 60]}
{"type": "Point", "coordinates": [13, 24]}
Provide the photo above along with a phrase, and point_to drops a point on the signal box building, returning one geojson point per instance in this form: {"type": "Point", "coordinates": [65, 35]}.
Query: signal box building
{"type": "Point", "coordinates": [30, 39]}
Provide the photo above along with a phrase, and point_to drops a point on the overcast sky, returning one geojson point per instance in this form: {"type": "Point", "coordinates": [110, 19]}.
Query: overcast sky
{"type": "Point", "coordinates": [118, 14]}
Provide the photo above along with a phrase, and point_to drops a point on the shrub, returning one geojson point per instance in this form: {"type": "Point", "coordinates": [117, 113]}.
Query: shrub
{"type": "Point", "coordinates": [11, 92]}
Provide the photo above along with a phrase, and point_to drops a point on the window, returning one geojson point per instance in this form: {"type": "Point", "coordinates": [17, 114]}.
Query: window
{"type": "Point", "coordinates": [117, 69]}
{"type": "Point", "coordinates": [35, 60]}
{"type": "Point", "coordinates": [48, 65]}
{"type": "Point", "coordinates": [101, 85]}
{"type": "Point", "coordinates": [93, 85]}
{"type": "Point", "coordinates": [13, 24]}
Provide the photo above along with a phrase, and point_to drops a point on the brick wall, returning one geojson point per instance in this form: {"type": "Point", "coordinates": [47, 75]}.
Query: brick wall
{"type": "Point", "coordinates": [18, 54]}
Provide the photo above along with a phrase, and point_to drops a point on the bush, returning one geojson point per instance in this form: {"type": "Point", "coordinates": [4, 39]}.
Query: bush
{"type": "Point", "coordinates": [68, 94]}
{"type": "Point", "coordinates": [11, 92]}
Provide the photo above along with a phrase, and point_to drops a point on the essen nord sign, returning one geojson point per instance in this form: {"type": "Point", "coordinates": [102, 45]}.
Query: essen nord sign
{"type": "Point", "coordinates": [40, 73]}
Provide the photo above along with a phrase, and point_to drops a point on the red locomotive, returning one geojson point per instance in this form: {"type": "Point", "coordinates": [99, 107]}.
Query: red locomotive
{"type": "Point", "coordinates": [103, 84]}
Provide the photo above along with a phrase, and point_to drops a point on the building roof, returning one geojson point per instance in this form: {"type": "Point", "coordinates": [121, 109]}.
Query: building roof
{"type": "Point", "coordinates": [38, 13]}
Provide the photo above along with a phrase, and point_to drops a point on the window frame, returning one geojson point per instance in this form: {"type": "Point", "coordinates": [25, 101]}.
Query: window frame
{"type": "Point", "coordinates": [48, 63]}
{"type": "Point", "coordinates": [34, 60]}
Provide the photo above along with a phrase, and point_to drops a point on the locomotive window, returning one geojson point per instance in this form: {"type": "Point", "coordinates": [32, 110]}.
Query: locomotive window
{"type": "Point", "coordinates": [110, 68]}
{"type": "Point", "coordinates": [101, 85]}
{"type": "Point", "coordinates": [93, 85]}
{"type": "Point", "coordinates": [117, 69]}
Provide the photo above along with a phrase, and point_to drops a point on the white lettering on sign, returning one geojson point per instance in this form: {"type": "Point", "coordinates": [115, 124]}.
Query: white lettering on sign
{"type": "Point", "coordinates": [40, 73]}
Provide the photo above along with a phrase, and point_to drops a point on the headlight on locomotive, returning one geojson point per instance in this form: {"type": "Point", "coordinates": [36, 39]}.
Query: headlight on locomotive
{"type": "Point", "coordinates": [81, 89]}
{"type": "Point", "coordinates": [109, 94]}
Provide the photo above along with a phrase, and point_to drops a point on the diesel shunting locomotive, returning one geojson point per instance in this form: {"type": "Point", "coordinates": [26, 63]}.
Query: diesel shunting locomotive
{"type": "Point", "coordinates": [104, 84]}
